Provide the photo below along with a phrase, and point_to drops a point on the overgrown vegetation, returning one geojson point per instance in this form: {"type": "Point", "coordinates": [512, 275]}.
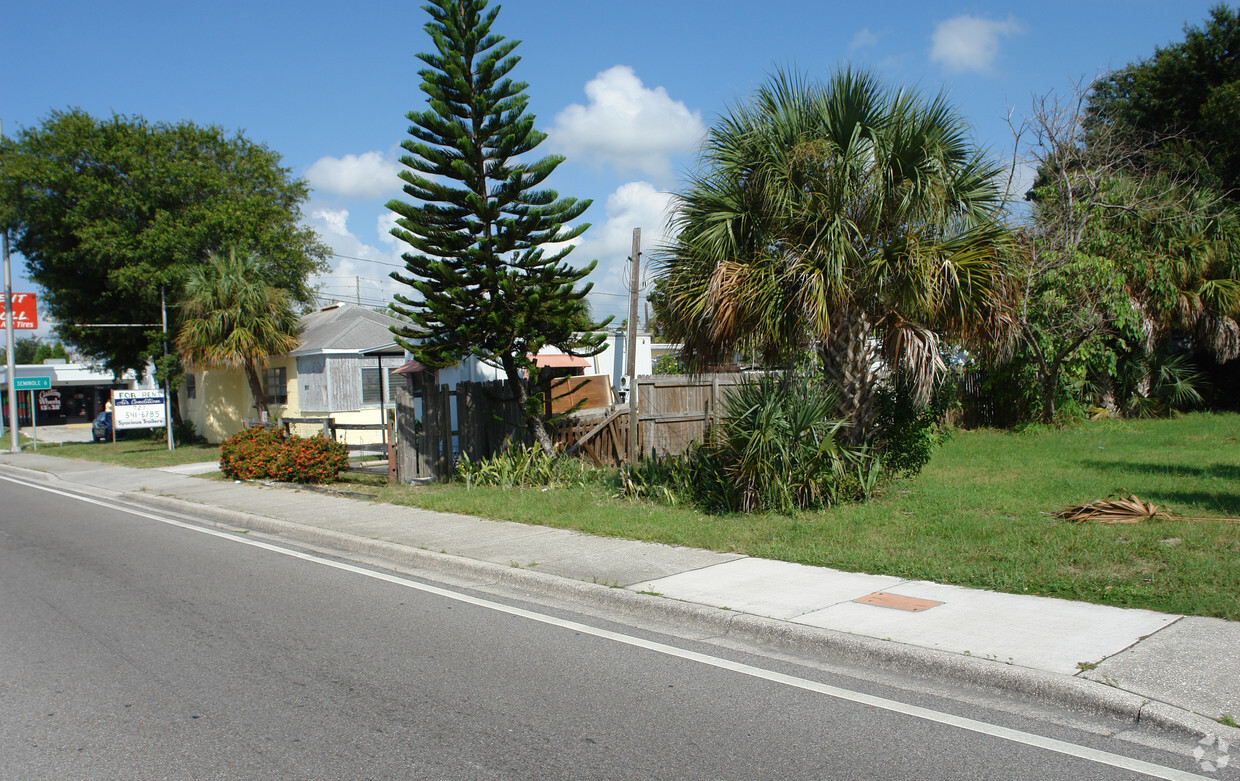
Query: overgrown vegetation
{"type": "Point", "coordinates": [977, 516]}
{"type": "Point", "coordinates": [834, 219]}
{"type": "Point", "coordinates": [524, 466]}
{"type": "Point", "coordinates": [776, 447]}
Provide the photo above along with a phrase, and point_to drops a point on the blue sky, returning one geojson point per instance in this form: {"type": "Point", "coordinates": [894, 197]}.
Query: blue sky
{"type": "Point", "coordinates": [625, 90]}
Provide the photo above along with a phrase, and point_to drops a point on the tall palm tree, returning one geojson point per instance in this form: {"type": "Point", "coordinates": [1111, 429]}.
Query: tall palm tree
{"type": "Point", "coordinates": [829, 217]}
{"type": "Point", "coordinates": [233, 317]}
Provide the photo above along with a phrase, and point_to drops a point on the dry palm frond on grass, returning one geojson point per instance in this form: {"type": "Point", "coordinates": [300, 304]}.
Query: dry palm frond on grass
{"type": "Point", "coordinates": [1117, 509]}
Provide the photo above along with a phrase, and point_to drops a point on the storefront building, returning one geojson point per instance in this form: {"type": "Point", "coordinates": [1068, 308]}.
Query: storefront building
{"type": "Point", "coordinates": [79, 392]}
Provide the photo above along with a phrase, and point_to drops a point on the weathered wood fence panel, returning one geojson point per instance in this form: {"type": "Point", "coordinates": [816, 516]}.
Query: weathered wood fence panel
{"type": "Point", "coordinates": [602, 438]}
{"type": "Point", "coordinates": [410, 463]}
{"type": "Point", "coordinates": [481, 418]}
{"type": "Point", "coordinates": [488, 418]}
{"type": "Point", "coordinates": [677, 409]}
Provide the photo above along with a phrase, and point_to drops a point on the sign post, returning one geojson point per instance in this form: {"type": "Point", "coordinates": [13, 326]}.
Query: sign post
{"type": "Point", "coordinates": [33, 384]}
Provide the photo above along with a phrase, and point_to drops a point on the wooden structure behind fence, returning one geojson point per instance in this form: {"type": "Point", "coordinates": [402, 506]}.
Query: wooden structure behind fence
{"type": "Point", "coordinates": [481, 418]}
{"type": "Point", "coordinates": [329, 428]}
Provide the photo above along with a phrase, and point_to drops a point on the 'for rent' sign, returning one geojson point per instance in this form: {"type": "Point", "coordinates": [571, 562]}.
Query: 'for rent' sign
{"type": "Point", "coordinates": [138, 409]}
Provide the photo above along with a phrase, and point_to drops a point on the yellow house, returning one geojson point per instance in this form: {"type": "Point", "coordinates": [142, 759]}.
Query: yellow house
{"type": "Point", "coordinates": [341, 369]}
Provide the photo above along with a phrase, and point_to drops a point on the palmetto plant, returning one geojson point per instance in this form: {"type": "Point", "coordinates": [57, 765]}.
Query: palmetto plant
{"type": "Point", "coordinates": [836, 218]}
{"type": "Point", "coordinates": [779, 446]}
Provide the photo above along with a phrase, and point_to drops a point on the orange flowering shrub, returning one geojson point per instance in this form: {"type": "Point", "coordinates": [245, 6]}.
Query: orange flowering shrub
{"type": "Point", "coordinates": [266, 454]}
{"type": "Point", "coordinates": [313, 460]}
{"type": "Point", "coordinates": [251, 454]}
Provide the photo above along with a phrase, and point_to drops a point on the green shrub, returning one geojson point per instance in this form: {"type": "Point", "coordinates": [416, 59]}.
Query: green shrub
{"type": "Point", "coordinates": [909, 432]}
{"type": "Point", "coordinates": [693, 477]}
{"type": "Point", "coordinates": [313, 460]}
{"type": "Point", "coordinates": [251, 454]}
{"type": "Point", "coordinates": [184, 433]}
{"type": "Point", "coordinates": [668, 363]}
{"type": "Point", "coordinates": [522, 466]}
{"type": "Point", "coordinates": [264, 453]}
{"type": "Point", "coordinates": [776, 443]}
{"type": "Point", "coordinates": [774, 448]}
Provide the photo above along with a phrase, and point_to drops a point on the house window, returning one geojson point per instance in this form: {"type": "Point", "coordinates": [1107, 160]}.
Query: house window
{"type": "Point", "coordinates": [191, 386]}
{"type": "Point", "coordinates": [275, 385]}
{"type": "Point", "coordinates": [370, 385]}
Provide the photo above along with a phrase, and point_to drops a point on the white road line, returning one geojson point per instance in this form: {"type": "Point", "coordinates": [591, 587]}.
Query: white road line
{"type": "Point", "coordinates": [894, 706]}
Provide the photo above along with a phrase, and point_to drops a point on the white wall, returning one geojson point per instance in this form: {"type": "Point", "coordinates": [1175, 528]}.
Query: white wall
{"type": "Point", "coordinates": [611, 361]}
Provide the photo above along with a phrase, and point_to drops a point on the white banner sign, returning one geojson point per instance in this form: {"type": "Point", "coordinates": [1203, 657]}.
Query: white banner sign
{"type": "Point", "coordinates": [138, 409]}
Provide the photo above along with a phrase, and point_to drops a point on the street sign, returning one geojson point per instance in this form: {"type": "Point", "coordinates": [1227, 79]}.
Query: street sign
{"type": "Point", "coordinates": [32, 383]}
{"type": "Point", "coordinates": [25, 312]}
{"type": "Point", "coordinates": [138, 409]}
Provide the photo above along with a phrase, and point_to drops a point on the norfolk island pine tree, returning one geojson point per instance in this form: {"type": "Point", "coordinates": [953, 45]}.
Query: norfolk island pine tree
{"type": "Point", "coordinates": [477, 220]}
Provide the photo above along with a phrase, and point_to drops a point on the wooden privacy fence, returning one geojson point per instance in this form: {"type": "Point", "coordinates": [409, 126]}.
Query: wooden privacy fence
{"type": "Point", "coordinates": [481, 418]}
{"type": "Point", "coordinates": [677, 409]}
{"type": "Point", "coordinates": [476, 418]}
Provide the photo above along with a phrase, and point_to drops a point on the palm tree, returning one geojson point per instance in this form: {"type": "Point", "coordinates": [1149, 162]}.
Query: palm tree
{"type": "Point", "coordinates": [828, 218]}
{"type": "Point", "coordinates": [233, 317]}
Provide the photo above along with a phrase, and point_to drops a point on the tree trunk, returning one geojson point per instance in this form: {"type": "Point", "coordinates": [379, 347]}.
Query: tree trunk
{"type": "Point", "coordinates": [256, 390]}
{"type": "Point", "coordinates": [849, 359]}
{"type": "Point", "coordinates": [533, 422]}
{"type": "Point", "coordinates": [1106, 395]}
{"type": "Point", "coordinates": [1050, 385]}
{"type": "Point", "coordinates": [174, 401]}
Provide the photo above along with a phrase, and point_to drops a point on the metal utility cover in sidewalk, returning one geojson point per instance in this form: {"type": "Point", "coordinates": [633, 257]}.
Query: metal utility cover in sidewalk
{"type": "Point", "coordinates": [897, 602]}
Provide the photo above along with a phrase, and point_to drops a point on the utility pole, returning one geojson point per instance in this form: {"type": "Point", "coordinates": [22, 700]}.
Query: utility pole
{"type": "Point", "coordinates": [8, 331]}
{"type": "Point", "coordinates": [630, 357]}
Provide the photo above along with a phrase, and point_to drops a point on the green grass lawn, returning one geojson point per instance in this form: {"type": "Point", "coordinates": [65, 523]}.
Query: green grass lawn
{"type": "Point", "coordinates": [133, 451]}
{"type": "Point", "coordinates": [977, 516]}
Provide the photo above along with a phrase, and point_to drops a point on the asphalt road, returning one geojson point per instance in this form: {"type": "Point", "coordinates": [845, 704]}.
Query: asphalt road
{"type": "Point", "coordinates": [135, 648]}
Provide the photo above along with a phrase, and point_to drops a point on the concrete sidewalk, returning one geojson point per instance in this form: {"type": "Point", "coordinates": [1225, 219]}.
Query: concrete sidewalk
{"type": "Point", "coordinates": [1166, 669]}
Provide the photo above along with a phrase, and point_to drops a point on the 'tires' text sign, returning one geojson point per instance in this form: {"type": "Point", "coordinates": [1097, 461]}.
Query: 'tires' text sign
{"type": "Point", "coordinates": [25, 313]}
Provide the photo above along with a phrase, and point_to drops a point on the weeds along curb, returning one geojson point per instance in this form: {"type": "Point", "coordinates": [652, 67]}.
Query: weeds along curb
{"type": "Point", "coordinates": [1035, 685]}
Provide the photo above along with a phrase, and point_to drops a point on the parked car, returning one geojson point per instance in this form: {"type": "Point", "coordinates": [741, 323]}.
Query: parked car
{"type": "Point", "coordinates": [101, 428]}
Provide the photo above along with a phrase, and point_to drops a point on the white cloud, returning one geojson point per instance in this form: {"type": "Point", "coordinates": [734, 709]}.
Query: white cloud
{"type": "Point", "coordinates": [633, 205]}
{"type": "Point", "coordinates": [334, 220]}
{"type": "Point", "coordinates": [368, 175]}
{"type": "Point", "coordinates": [359, 269]}
{"type": "Point", "coordinates": [384, 225]}
{"type": "Point", "coordinates": [967, 42]}
{"type": "Point", "coordinates": [627, 125]}
{"type": "Point", "coordinates": [864, 39]}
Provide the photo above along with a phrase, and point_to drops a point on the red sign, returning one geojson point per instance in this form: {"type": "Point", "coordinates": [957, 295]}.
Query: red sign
{"type": "Point", "coordinates": [25, 314]}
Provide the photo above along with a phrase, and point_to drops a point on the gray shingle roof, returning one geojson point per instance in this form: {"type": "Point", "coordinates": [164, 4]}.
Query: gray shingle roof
{"type": "Point", "coordinates": [344, 328]}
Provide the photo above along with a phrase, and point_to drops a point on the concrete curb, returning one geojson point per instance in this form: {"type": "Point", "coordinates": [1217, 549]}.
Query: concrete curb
{"type": "Point", "coordinates": [1035, 685]}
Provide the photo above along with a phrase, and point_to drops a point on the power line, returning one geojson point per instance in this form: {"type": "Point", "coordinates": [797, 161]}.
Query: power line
{"type": "Point", "coordinates": [368, 260]}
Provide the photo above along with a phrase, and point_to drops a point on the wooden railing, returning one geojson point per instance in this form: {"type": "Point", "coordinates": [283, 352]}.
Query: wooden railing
{"type": "Point", "coordinates": [385, 447]}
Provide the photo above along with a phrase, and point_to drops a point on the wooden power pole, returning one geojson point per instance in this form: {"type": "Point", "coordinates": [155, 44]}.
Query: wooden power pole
{"type": "Point", "coordinates": [630, 363]}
